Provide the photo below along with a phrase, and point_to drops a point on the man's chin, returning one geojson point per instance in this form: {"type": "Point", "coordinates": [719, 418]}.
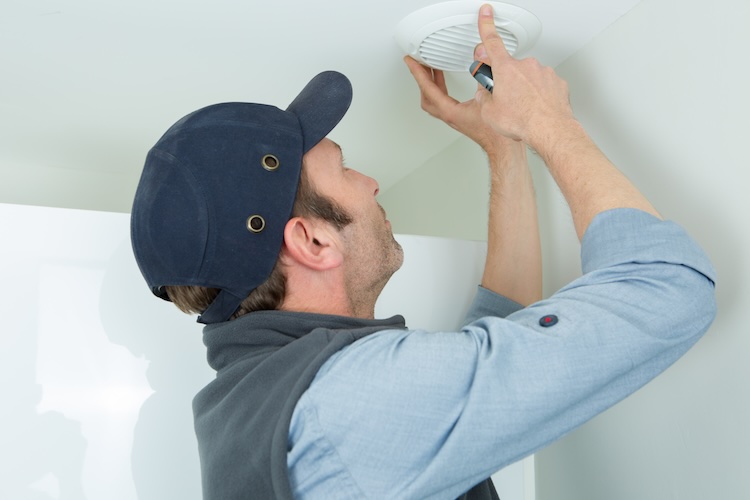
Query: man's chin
{"type": "Point", "coordinates": [400, 255]}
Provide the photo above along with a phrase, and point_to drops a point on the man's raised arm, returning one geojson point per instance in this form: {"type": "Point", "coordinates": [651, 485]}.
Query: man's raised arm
{"type": "Point", "coordinates": [514, 265]}
{"type": "Point", "coordinates": [530, 103]}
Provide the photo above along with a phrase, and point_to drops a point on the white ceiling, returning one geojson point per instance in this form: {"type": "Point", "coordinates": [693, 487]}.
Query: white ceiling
{"type": "Point", "coordinates": [91, 84]}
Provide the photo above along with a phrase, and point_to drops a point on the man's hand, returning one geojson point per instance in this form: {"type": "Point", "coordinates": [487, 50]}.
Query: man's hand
{"type": "Point", "coordinates": [462, 116]}
{"type": "Point", "coordinates": [527, 95]}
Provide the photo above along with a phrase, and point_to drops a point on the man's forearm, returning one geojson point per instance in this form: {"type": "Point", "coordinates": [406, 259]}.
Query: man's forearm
{"type": "Point", "coordinates": [514, 264]}
{"type": "Point", "coordinates": [589, 181]}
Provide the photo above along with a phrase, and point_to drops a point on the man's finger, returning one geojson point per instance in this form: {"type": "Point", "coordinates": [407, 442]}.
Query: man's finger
{"type": "Point", "coordinates": [427, 85]}
{"type": "Point", "coordinates": [439, 78]}
{"type": "Point", "coordinates": [420, 73]}
{"type": "Point", "coordinates": [480, 54]}
{"type": "Point", "coordinates": [481, 95]}
{"type": "Point", "coordinates": [491, 41]}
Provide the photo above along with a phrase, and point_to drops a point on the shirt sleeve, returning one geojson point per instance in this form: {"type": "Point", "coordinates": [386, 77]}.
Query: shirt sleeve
{"type": "Point", "coordinates": [488, 303]}
{"type": "Point", "coordinates": [414, 414]}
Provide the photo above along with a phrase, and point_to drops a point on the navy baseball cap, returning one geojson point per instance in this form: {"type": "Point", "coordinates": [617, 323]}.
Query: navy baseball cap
{"type": "Point", "coordinates": [218, 187]}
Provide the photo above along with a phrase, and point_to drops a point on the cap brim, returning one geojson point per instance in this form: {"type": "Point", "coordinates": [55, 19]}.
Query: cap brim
{"type": "Point", "coordinates": [321, 105]}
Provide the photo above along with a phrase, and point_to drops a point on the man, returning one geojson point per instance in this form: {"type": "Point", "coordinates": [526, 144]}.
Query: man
{"type": "Point", "coordinates": [247, 215]}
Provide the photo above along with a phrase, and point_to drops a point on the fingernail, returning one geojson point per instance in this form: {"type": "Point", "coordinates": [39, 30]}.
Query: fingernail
{"type": "Point", "coordinates": [485, 10]}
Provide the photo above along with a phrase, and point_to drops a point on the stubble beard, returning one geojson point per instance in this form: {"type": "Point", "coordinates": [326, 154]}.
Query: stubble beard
{"type": "Point", "coordinates": [374, 268]}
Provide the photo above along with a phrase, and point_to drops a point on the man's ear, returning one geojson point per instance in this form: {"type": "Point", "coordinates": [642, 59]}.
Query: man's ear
{"type": "Point", "coordinates": [313, 243]}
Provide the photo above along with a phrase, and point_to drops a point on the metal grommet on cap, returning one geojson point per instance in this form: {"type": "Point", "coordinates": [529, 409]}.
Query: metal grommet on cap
{"type": "Point", "coordinates": [270, 162]}
{"type": "Point", "coordinates": [256, 223]}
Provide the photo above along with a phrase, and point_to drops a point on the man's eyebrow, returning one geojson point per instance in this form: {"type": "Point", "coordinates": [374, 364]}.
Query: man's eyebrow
{"type": "Point", "coordinates": [341, 151]}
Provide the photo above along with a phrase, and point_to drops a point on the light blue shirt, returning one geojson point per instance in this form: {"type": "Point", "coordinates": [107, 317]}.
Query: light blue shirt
{"type": "Point", "coordinates": [416, 414]}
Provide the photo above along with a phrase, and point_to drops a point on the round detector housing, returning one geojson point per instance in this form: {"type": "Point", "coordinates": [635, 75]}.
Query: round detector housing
{"type": "Point", "coordinates": [444, 35]}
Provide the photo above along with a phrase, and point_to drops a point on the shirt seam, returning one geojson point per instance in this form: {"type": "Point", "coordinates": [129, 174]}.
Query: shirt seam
{"type": "Point", "coordinates": [309, 412]}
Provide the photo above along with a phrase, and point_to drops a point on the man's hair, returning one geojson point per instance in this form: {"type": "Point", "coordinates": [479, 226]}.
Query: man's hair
{"type": "Point", "coordinates": [269, 295]}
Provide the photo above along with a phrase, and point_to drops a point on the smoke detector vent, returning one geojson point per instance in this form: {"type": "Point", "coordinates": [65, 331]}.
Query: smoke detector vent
{"type": "Point", "coordinates": [443, 35]}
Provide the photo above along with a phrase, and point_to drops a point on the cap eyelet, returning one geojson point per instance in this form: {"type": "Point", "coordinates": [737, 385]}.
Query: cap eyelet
{"type": "Point", "coordinates": [256, 223]}
{"type": "Point", "coordinates": [270, 162]}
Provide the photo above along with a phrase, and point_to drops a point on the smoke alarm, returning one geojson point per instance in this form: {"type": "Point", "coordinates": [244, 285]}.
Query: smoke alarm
{"type": "Point", "coordinates": [443, 35]}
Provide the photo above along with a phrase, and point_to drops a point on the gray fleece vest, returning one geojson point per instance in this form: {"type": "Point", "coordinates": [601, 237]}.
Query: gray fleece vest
{"type": "Point", "coordinates": [264, 362]}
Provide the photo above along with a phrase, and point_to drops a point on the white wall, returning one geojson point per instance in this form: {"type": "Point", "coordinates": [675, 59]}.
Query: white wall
{"type": "Point", "coordinates": [98, 377]}
{"type": "Point", "coordinates": [664, 92]}
{"type": "Point", "coordinates": [447, 196]}
{"type": "Point", "coordinates": [29, 182]}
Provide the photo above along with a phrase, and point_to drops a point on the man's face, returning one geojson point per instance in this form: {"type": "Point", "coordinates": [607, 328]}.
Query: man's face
{"type": "Point", "coordinates": [372, 255]}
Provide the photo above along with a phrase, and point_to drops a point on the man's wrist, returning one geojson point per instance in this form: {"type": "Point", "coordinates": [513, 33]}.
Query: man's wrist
{"type": "Point", "coordinates": [506, 153]}
{"type": "Point", "coordinates": [549, 134]}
